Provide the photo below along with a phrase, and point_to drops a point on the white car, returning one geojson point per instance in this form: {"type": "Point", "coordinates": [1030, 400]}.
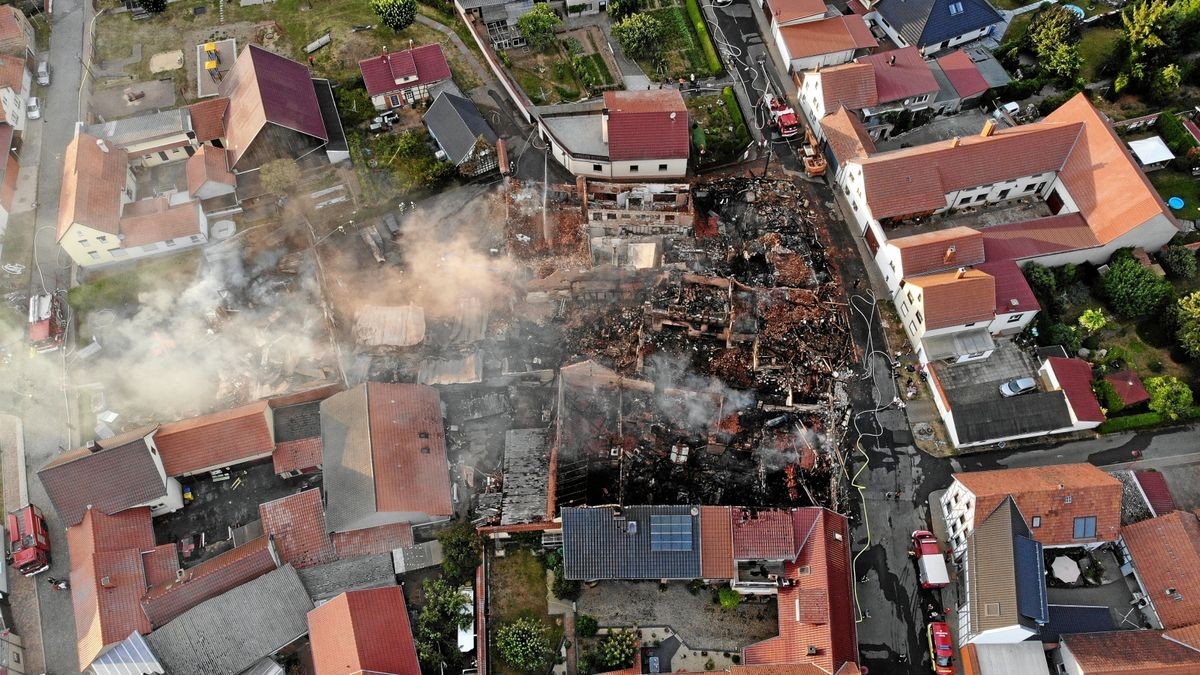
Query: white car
{"type": "Point", "coordinates": [33, 109]}
{"type": "Point", "coordinates": [43, 73]}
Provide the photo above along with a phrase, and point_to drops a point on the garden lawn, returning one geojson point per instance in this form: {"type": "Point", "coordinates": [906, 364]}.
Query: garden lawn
{"type": "Point", "coordinates": [118, 289]}
{"type": "Point", "coordinates": [714, 115]}
{"type": "Point", "coordinates": [1096, 47]}
{"type": "Point", "coordinates": [518, 588]}
{"type": "Point", "coordinates": [682, 53]}
{"type": "Point", "coordinates": [547, 78]}
{"type": "Point", "coordinates": [1171, 183]}
{"type": "Point", "coordinates": [1018, 27]}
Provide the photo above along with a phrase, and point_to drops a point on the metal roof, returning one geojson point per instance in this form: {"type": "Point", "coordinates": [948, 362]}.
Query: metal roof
{"type": "Point", "coordinates": [526, 476]}
{"type": "Point", "coordinates": [634, 542]}
{"type": "Point", "coordinates": [129, 657]}
{"type": "Point", "coordinates": [928, 22]}
{"type": "Point", "coordinates": [1076, 619]}
{"type": "Point", "coordinates": [455, 123]}
{"type": "Point", "coordinates": [1031, 579]}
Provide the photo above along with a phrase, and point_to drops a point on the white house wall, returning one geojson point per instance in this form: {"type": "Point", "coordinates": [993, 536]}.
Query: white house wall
{"type": "Point", "coordinates": [1012, 322]}
{"type": "Point", "coordinates": [1002, 636]}
{"type": "Point", "coordinates": [1150, 235]}
{"type": "Point", "coordinates": [958, 510]}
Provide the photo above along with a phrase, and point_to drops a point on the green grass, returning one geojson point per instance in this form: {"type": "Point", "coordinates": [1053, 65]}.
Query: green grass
{"type": "Point", "coordinates": [683, 53]}
{"type": "Point", "coordinates": [1096, 47]}
{"type": "Point", "coordinates": [1171, 183]}
{"type": "Point", "coordinates": [547, 77]}
{"type": "Point", "coordinates": [518, 589]}
{"type": "Point", "coordinates": [1018, 27]}
{"type": "Point", "coordinates": [714, 115]}
{"type": "Point", "coordinates": [118, 289]}
{"type": "Point", "coordinates": [593, 65]}
{"type": "Point", "coordinates": [706, 44]}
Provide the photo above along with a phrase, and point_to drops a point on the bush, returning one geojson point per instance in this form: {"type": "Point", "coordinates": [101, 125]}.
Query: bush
{"type": "Point", "coordinates": [729, 598]}
{"type": "Point", "coordinates": [395, 14]}
{"type": "Point", "coordinates": [586, 625]}
{"type": "Point", "coordinates": [1174, 134]}
{"type": "Point", "coordinates": [1187, 315]}
{"type": "Point", "coordinates": [1169, 397]}
{"type": "Point", "coordinates": [1108, 396]}
{"type": "Point", "coordinates": [1041, 279]}
{"type": "Point", "coordinates": [618, 649]}
{"type": "Point", "coordinates": [1140, 421]}
{"type": "Point", "coordinates": [538, 26]}
{"type": "Point", "coordinates": [524, 644]}
{"type": "Point", "coordinates": [1132, 290]}
{"type": "Point", "coordinates": [1092, 320]}
{"type": "Point", "coordinates": [1067, 336]}
{"type": "Point", "coordinates": [461, 550]}
{"type": "Point", "coordinates": [640, 35]}
{"type": "Point", "coordinates": [706, 44]}
{"type": "Point", "coordinates": [1179, 261]}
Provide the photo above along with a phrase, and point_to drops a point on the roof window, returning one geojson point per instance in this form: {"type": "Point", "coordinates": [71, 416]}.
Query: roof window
{"type": "Point", "coordinates": [956, 8]}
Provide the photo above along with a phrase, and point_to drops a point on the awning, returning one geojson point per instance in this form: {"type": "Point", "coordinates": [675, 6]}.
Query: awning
{"type": "Point", "coordinates": [1151, 151]}
{"type": "Point", "coordinates": [974, 341]}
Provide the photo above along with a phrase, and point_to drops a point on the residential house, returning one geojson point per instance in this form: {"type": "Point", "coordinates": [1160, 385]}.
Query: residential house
{"type": "Point", "coordinates": [1064, 504]}
{"type": "Point", "coordinates": [297, 438]}
{"type": "Point", "coordinates": [1162, 555]}
{"type": "Point", "coordinates": [208, 121]}
{"type": "Point", "coordinates": [15, 82]}
{"type": "Point", "coordinates": [903, 81]}
{"type": "Point", "coordinates": [1002, 584]}
{"type": "Point", "coordinates": [874, 86]}
{"type": "Point", "coordinates": [123, 472]}
{"type": "Point", "coordinates": [150, 139]}
{"type": "Point", "coordinates": [628, 135]}
{"type": "Point", "coordinates": [219, 440]}
{"type": "Point", "coordinates": [1157, 652]}
{"type": "Point", "coordinates": [807, 38]}
{"type": "Point", "coordinates": [933, 25]}
{"type": "Point", "coordinates": [631, 542]}
{"type": "Point", "coordinates": [363, 631]}
{"type": "Point", "coordinates": [845, 138]}
{"type": "Point", "coordinates": [398, 79]}
{"type": "Point", "coordinates": [100, 219]}
{"type": "Point", "coordinates": [1027, 658]}
{"type": "Point", "coordinates": [384, 457]}
{"type": "Point", "coordinates": [171, 598]}
{"type": "Point", "coordinates": [209, 175]}
{"type": "Point", "coordinates": [16, 33]}
{"type": "Point", "coordinates": [497, 19]}
{"type": "Point", "coordinates": [1073, 377]}
{"type": "Point", "coordinates": [9, 171]}
{"type": "Point", "coordinates": [960, 82]}
{"type": "Point", "coordinates": [277, 110]}
{"type": "Point", "coordinates": [461, 133]}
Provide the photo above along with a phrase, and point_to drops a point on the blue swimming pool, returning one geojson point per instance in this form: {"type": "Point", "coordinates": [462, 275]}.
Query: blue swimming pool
{"type": "Point", "coordinates": [1076, 10]}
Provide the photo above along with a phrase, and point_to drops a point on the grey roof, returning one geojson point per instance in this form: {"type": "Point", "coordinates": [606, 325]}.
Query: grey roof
{"type": "Point", "coordinates": [580, 134]}
{"type": "Point", "coordinates": [634, 542]}
{"type": "Point", "coordinates": [329, 115]}
{"type": "Point", "coordinates": [232, 631]}
{"type": "Point", "coordinates": [131, 656]}
{"type": "Point", "coordinates": [971, 341]}
{"type": "Point", "coordinates": [294, 422]}
{"type": "Point", "coordinates": [417, 557]}
{"type": "Point", "coordinates": [455, 123]}
{"type": "Point", "coordinates": [326, 581]}
{"type": "Point", "coordinates": [141, 128]}
{"type": "Point", "coordinates": [989, 66]}
{"type": "Point", "coordinates": [1006, 574]}
{"type": "Point", "coordinates": [526, 476]}
{"type": "Point", "coordinates": [946, 90]}
{"type": "Point", "coordinates": [120, 474]}
{"type": "Point", "coordinates": [1027, 658]}
{"type": "Point", "coordinates": [1043, 411]}
{"type": "Point", "coordinates": [349, 475]}
{"type": "Point", "coordinates": [928, 22]}
{"type": "Point", "coordinates": [1077, 619]}
{"type": "Point", "coordinates": [265, 666]}
{"type": "Point", "coordinates": [1030, 567]}
{"type": "Point", "coordinates": [475, 4]}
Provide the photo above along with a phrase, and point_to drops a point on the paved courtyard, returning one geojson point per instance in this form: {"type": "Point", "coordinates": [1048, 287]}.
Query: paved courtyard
{"type": "Point", "coordinates": [696, 619]}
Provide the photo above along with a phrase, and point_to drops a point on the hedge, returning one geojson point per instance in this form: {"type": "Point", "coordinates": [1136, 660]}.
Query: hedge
{"type": "Point", "coordinates": [706, 44]}
{"type": "Point", "coordinates": [1174, 134]}
{"type": "Point", "coordinates": [735, 112]}
{"type": "Point", "coordinates": [1141, 421]}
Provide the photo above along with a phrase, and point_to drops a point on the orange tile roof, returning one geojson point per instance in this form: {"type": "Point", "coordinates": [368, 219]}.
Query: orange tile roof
{"type": "Point", "coordinates": [93, 181]}
{"type": "Point", "coordinates": [13, 38]}
{"type": "Point", "coordinates": [846, 135]}
{"type": "Point", "coordinates": [407, 477]}
{"type": "Point", "coordinates": [363, 631]}
{"type": "Point", "coordinates": [149, 221]}
{"type": "Point", "coordinates": [900, 74]}
{"type": "Point", "coordinates": [208, 118]}
{"type": "Point", "coordinates": [107, 578]}
{"type": "Point", "coordinates": [931, 251]}
{"type": "Point", "coordinates": [217, 440]}
{"type": "Point", "coordinates": [716, 543]}
{"type": "Point", "coordinates": [209, 163]}
{"type": "Point", "coordinates": [1036, 492]}
{"type": "Point", "coordinates": [372, 540]}
{"type": "Point", "coordinates": [12, 72]}
{"type": "Point", "coordinates": [1189, 635]}
{"type": "Point", "coordinates": [297, 523]}
{"type": "Point", "coordinates": [840, 33]}
{"type": "Point", "coordinates": [1146, 652]}
{"type": "Point", "coordinates": [1166, 554]}
{"type": "Point", "coordinates": [225, 572]}
{"type": "Point", "coordinates": [1112, 193]}
{"type": "Point", "coordinates": [764, 534]}
{"type": "Point", "coordinates": [953, 300]}
{"type": "Point", "coordinates": [783, 11]}
{"type": "Point", "coordinates": [850, 84]}
{"type": "Point", "coordinates": [1041, 236]}
{"type": "Point", "coordinates": [297, 455]}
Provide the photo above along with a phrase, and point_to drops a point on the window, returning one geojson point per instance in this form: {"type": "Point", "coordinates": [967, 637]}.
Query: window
{"type": "Point", "coordinates": [981, 197]}
{"type": "Point", "coordinates": [956, 8]}
{"type": "Point", "coordinates": [904, 308]}
{"type": "Point", "coordinates": [170, 243]}
{"type": "Point", "coordinates": [1067, 499]}
{"type": "Point", "coordinates": [969, 324]}
{"type": "Point", "coordinates": [597, 168]}
{"type": "Point", "coordinates": [912, 325]}
{"type": "Point", "coordinates": [1015, 318]}
{"type": "Point", "coordinates": [991, 609]}
{"type": "Point", "coordinates": [1037, 521]}
{"type": "Point", "coordinates": [633, 168]}
{"type": "Point", "coordinates": [1085, 527]}
{"type": "Point", "coordinates": [163, 156]}
{"type": "Point", "coordinates": [910, 297]}
{"type": "Point", "coordinates": [662, 167]}
{"type": "Point", "coordinates": [102, 239]}
{"type": "Point", "coordinates": [118, 252]}
{"type": "Point", "coordinates": [395, 100]}
{"type": "Point", "coordinates": [610, 216]}
{"type": "Point", "coordinates": [94, 255]}
{"type": "Point", "coordinates": [83, 242]}
{"type": "Point", "coordinates": [920, 318]}
{"type": "Point", "coordinates": [150, 247]}
{"type": "Point", "coordinates": [425, 450]}
{"type": "Point", "coordinates": [668, 218]}
{"type": "Point", "coordinates": [1003, 194]}
{"type": "Point", "coordinates": [196, 238]}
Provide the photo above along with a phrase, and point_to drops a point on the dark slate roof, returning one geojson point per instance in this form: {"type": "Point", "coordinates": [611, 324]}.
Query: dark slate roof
{"type": "Point", "coordinates": [325, 581]}
{"type": "Point", "coordinates": [329, 115]}
{"type": "Point", "coordinates": [1003, 417]}
{"type": "Point", "coordinates": [119, 475]}
{"type": "Point", "coordinates": [295, 422]}
{"type": "Point", "coordinates": [634, 542]}
{"type": "Point", "coordinates": [232, 631]}
{"type": "Point", "coordinates": [455, 123]}
{"type": "Point", "coordinates": [928, 22]}
{"type": "Point", "coordinates": [1076, 619]}
{"type": "Point", "coordinates": [1030, 567]}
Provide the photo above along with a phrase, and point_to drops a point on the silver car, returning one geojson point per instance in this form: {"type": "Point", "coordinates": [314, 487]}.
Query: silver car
{"type": "Point", "coordinates": [1018, 387]}
{"type": "Point", "coordinates": [43, 73]}
{"type": "Point", "coordinates": [33, 109]}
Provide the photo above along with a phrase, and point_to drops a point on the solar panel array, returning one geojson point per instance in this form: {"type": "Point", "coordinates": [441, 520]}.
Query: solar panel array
{"type": "Point", "coordinates": [670, 533]}
{"type": "Point", "coordinates": [635, 542]}
{"type": "Point", "coordinates": [1030, 568]}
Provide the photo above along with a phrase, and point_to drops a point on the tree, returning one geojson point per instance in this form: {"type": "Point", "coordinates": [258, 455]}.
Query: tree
{"type": "Point", "coordinates": [1180, 261]}
{"type": "Point", "coordinates": [1169, 397]}
{"type": "Point", "coordinates": [1093, 320]}
{"type": "Point", "coordinates": [1187, 314]}
{"type": "Point", "coordinates": [1064, 61]}
{"type": "Point", "coordinates": [1133, 290]}
{"type": "Point", "coordinates": [617, 649]}
{"type": "Point", "coordinates": [1166, 82]}
{"type": "Point", "coordinates": [154, 6]}
{"type": "Point", "coordinates": [395, 14]}
{"type": "Point", "coordinates": [1053, 35]}
{"type": "Point", "coordinates": [461, 548]}
{"type": "Point", "coordinates": [354, 104]}
{"type": "Point", "coordinates": [728, 598]}
{"type": "Point", "coordinates": [619, 9]}
{"type": "Point", "coordinates": [446, 610]}
{"type": "Point", "coordinates": [1041, 280]}
{"type": "Point", "coordinates": [524, 644]}
{"type": "Point", "coordinates": [1062, 334]}
{"type": "Point", "coordinates": [640, 35]}
{"type": "Point", "coordinates": [1148, 28]}
{"type": "Point", "coordinates": [280, 176]}
{"type": "Point", "coordinates": [538, 26]}
{"type": "Point", "coordinates": [586, 625]}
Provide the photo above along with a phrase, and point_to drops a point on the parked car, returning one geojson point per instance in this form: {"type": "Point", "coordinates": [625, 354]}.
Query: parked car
{"type": "Point", "coordinates": [1017, 387]}
{"type": "Point", "coordinates": [33, 109]}
{"type": "Point", "coordinates": [930, 562]}
{"type": "Point", "coordinates": [390, 117]}
{"type": "Point", "coordinates": [43, 73]}
{"type": "Point", "coordinates": [378, 125]}
{"type": "Point", "coordinates": [392, 224]}
{"type": "Point", "coordinates": [941, 648]}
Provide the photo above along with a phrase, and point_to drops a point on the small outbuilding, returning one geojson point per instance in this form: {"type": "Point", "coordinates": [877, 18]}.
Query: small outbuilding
{"type": "Point", "coordinates": [1151, 153]}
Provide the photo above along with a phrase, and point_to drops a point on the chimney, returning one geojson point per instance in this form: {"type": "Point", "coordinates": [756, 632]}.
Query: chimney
{"type": "Point", "coordinates": [102, 145]}
{"type": "Point", "coordinates": [950, 250]}
{"type": "Point", "coordinates": [179, 574]}
{"type": "Point", "coordinates": [92, 447]}
{"type": "Point", "coordinates": [604, 125]}
{"type": "Point", "coordinates": [962, 272]}
{"type": "Point", "coordinates": [989, 127]}
{"type": "Point", "coordinates": [955, 142]}
{"type": "Point", "coordinates": [106, 582]}
{"type": "Point", "coordinates": [892, 60]}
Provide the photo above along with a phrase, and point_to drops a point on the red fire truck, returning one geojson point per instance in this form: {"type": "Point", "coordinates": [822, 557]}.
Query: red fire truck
{"type": "Point", "coordinates": [782, 116]}
{"type": "Point", "coordinates": [46, 325]}
{"type": "Point", "coordinates": [28, 541]}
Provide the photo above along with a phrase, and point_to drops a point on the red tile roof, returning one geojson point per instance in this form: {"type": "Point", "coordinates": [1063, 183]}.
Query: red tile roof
{"type": "Point", "coordinates": [716, 542]}
{"type": "Point", "coordinates": [149, 221]}
{"type": "Point", "coordinates": [408, 479]}
{"type": "Point", "coordinates": [107, 578]}
{"type": "Point", "coordinates": [1129, 387]}
{"type": "Point", "coordinates": [646, 124]}
{"type": "Point", "coordinates": [363, 631]}
{"type": "Point", "coordinates": [1146, 652]}
{"type": "Point", "coordinates": [93, 181]}
{"type": "Point", "coordinates": [209, 164]}
{"type": "Point", "coordinates": [121, 473]}
{"type": "Point", "coordinates": [13, 38]}
{"type": "Point", "coordinates": [1042, 236]}
{"type": "Point", "coordinates": [297, 455]}
{"type": "Point", "coordinates": [827, 36]}
{"type": "Point", "coordinates": [12, 72]}
{"type": "Point", "coordinates": [850, 84]}
{"type": "Point", "coordinates": [1042, 492]}
{"type": "Point", "coordinates": [1013, 293]}
{"type": "Point", "coordinates": [846, 135]}
{"type": "Point", "coordinates": [212, 441]}
{"type": "Point", "coordinates": [964, 76]}
{"type": "Point", "coordinates": [161, 564]}
{"type": "Point", "coordinates": [372, 540]}
{"type": "Point", "coordinates": [1158, 493]}
{"type": "Point", "coordinates": [939, 250]}
{"type": "Point", "coordinates": [817, 609]}
{"type": "Point", "coordinates": [783, 11]}
{"type": "Point", "coordinates": [209, 579]}
{"type": "Point", "coordinates": [266, 88]}
{"type": "Point", "coordinates": [297, 523]}
{"type": "Point", "coordinates": [1166, 554]}
{"type": "Point", "coordinates": [1075, 378]}
{"type": "Point", "coordinates": [900, 74]}
{"type": "Point", "coordinates": [208, 118]}
{"type": "Point", "coordinates": [954, 300]}
{"type": "Point", "coordinates": [763, 534]}
{"type": "Point", "coordinates": [426, 62]}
